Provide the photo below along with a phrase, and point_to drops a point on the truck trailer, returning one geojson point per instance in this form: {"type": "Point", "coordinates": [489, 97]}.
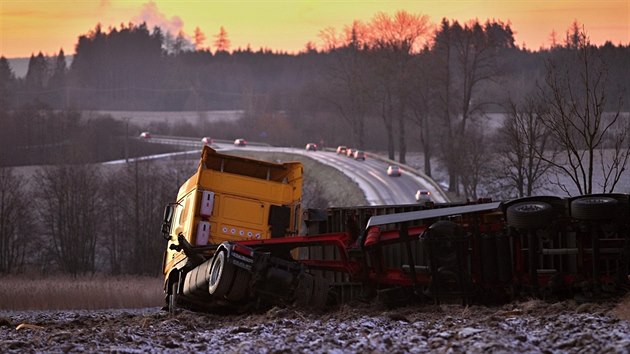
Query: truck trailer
{"type": "Point", "coordinates": [237, 238]}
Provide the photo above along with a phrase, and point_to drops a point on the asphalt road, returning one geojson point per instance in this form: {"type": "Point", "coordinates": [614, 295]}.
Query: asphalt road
{"type": "Point", "coordinates": [370, 175]}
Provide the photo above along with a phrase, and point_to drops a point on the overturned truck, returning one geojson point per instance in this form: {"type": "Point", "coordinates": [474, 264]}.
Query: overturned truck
{"type": "Point", "coordinates": [238, 237]}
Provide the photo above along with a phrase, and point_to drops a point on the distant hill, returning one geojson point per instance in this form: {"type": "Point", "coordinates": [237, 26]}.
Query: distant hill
{"type": "Point", "coordinates": [20, 65]}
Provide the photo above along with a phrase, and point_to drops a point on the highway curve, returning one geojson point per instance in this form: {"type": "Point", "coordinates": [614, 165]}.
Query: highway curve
{"type": "Point", "coordinates": [370, 175]}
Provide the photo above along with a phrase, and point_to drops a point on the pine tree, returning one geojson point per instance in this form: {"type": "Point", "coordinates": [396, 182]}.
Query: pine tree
{"type": "Point", "coordinates": [222, 43]}
{"type": "Point", "coordinates": [7, 81]}
{"type": "Point", "coordinates": [36, 76]}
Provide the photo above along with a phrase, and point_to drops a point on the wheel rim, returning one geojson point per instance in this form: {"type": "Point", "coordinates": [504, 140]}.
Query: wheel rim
{"type": "Point", "coordinates": [594, 208]}
{"type": "Point", "coordinates": [598, 201]}
{"type": "Point", "coordinates": [216, 272]}
{"type": "Point", "coordinates": [529, 215]}
{"type": "Point", "coordinates": [529, 207]}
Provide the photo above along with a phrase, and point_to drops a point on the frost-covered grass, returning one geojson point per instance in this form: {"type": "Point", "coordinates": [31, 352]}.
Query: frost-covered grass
{"type": "Point", "coordinates": [19, 292]}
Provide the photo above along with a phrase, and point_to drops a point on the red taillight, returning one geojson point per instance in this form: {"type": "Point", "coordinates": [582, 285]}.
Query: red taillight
{"type": "Point", "coordinates": [246, 251]}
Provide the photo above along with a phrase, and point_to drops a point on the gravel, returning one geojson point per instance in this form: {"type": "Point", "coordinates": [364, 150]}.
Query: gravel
{"type": "Point", "coordinates": [532, 326]}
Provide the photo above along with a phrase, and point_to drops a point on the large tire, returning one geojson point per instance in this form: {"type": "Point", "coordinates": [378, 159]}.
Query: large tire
{"type": "Point", "coordinates": [594, 208]}
{"type": "Point", "coordinates": [529, 215]}
{"type": "Point", "coordinates": [221, 275]}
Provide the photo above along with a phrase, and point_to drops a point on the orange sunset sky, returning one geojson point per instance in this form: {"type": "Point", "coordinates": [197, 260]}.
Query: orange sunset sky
{"type": "Point", "coordinates": [30, 26]}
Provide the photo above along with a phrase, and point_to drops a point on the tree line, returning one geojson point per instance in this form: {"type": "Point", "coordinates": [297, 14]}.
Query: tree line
{"type": "Point", "coordinates": [80, 219]}
{"type": "Point", "coordinates": [393, 83]}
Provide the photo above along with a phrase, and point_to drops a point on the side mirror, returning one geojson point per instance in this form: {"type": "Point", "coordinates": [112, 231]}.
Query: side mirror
{"type": "Point", "coordinates": [167, 221]}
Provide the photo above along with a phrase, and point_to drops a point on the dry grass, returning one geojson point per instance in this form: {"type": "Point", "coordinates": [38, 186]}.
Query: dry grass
{"type": "Point", "coordinates": [63, 292]}
{"type": "Point", "coordinates": [622, 310]}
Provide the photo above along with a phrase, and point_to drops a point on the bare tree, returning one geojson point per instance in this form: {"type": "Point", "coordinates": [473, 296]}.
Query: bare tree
{"type": "Point", "coordinates": [394, 40]}
{"type": "Point", "coordinates": [476, 163]}
{"type": "Point", "coordinates": [331, 39]}
{"type": "Point", "coordinates": [146, 188]}
{"type": "Point", "coordinates": [422, 107]}
{"type": "Point", "coordinates": [468, 55]}
{"type": "Point", "coordinates": [576, 98]}
{"type": "Point", "coordinates": [347, 86]}
{"type": "Point", "coordinates": [15, 221]}
{"type": "Point", "coordinates": [518, 139]}
{"type": "Point", "coordinates": [70, 209]}
{"type": "Point", "coordinates": [116, 225]}
{"type": "Point", "coordinates": [136, 196]}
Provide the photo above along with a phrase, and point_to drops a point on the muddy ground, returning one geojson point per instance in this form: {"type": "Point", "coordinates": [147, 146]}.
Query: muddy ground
{"type": "Point", "coordinates": [531, 326]}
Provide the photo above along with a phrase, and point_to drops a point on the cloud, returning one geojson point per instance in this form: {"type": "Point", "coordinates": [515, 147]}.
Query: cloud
{"type": "Point", "coordinates": [153, 17]}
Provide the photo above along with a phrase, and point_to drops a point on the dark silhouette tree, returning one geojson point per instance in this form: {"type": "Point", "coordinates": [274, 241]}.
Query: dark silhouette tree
{"type": "Point", "coordinates": [118, 66]}
{"type": "Point", "coordinates": [69, 197]}
{"type": "Point", "coordinates": [469, 56]}
{"type": "Point", "coordinates": [37, 75]}
{"type": "Point", "coordinates": [423, 105]}
{"type": "Point", "coordinates": [348, 87]}
{"type": "Point", "coordinates": [181, 44]}
{"type": "Point", "coordinates": [16, 221]}
{"type": "Point", "coordinates": [146, 193]}
{"type": "Point", "coordinates": [573, 38]}
{"type": "Point", "coordinates": [7, 84]}
{"type": "Point", "coordinates": [476, 164]}
{"type": "Point", "coordinates": [58, 80]}
{"type": "Point", "coordinates": [518, 166]}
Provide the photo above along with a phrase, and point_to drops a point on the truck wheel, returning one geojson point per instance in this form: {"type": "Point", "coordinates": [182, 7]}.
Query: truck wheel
{"type": "Point", "coordinates": [529, 215]}
{"type": "Point", "coordinates": [221, 275]}
{"type": "Point", "coordinates": [594, 208]}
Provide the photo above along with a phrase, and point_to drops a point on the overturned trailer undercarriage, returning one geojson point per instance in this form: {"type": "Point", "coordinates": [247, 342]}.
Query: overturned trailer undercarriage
{"type": "Point", "coordinates": [218, 258]}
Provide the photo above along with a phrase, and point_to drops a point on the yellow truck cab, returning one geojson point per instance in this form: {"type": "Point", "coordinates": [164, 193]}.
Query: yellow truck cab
{"type": "Point", "coordinates": [233, 198]}
{"type": "Point", "coordinates": [229, 198]}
